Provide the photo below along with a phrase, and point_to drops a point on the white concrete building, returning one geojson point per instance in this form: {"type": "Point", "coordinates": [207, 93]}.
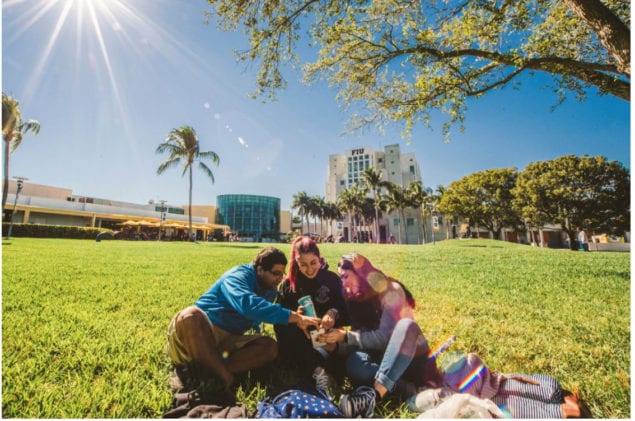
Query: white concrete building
{"type": "Point", "coordinates": [345, 170]}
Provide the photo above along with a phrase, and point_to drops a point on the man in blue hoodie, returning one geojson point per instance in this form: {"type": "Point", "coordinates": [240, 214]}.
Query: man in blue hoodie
{"type": "Point", "coordinates": [209, 337]}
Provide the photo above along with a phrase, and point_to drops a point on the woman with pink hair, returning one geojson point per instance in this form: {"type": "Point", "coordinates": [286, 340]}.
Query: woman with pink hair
{"type": "Point", "coordinates": [386, 349]}
{"type": "Point", "coordinates": [309, 276]}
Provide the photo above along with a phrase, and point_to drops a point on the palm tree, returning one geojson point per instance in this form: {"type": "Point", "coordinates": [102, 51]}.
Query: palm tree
{"type": "Point", "coordinates": [417, 196]}
{"type": "Point", "coordinates": [372, 179]}
{"type": "Point", "coordinates": [302, 202]}
{"type": "Point", "coordinates": [320, 211]}
{"type": "Point", "coordinates": [182, 144]}
{"type": "Point", "coordinates": [314, 212]}
{"type": "Point", "coordinates": [13, 130]}
{"type": "Point", "coordinates": [395, 202]}
{"type": "Point", "coordinates": [368, 214]}
{"type": "Point", "coordinates": [440, 191]}
{"type": "Point", "coordinates": [331, 212]}
{"type": "Point", "coordinates": [350, 201]}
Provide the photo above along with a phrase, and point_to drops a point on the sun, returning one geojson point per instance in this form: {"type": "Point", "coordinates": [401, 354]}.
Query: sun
{"type": "Point", "coordinates": [84, 19]}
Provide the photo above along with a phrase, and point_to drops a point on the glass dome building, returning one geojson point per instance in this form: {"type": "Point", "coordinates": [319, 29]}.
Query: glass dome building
{"type": "Point", "coordinates": [252, 217]}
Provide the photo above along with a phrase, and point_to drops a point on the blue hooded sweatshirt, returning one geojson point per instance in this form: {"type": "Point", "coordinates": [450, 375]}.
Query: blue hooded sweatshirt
{"type": "Point", "coordinates": [236, 302]}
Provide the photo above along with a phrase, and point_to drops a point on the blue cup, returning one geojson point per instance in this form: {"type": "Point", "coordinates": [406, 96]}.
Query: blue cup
{"type": "Point", "coordinates": [307, 303]}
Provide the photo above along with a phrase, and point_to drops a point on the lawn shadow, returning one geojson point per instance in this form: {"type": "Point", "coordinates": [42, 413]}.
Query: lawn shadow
{"type": "Point", "coordinates": [238, 246]}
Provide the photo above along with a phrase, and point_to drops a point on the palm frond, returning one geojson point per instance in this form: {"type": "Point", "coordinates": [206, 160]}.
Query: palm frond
{"type": "Point", "coordinates": [16, 140]}
{"type": "Point", "coordinates": [206, 170]}
{"type": "Point", "coordinates": [213, 156]}
{"type": "Point", "coordinates": [168, 147]}
{"type": "Point", "coordinates": [168, 163]}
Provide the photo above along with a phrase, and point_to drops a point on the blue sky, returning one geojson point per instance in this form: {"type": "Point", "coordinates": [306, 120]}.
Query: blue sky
{"type": "Point", "coordinates": [108, 79]}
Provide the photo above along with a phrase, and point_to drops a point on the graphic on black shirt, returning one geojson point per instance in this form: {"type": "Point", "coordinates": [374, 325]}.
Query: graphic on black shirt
{"type": "Point", "coordinates": [323, 294]}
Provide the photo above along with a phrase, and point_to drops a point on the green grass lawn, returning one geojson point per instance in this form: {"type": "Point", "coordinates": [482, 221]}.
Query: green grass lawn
{"type": "Point", "coordinates": [84, 323]}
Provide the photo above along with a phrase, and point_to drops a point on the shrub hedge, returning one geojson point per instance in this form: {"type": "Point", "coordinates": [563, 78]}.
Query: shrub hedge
{"type": "Point", "coordinates": [52, 231]}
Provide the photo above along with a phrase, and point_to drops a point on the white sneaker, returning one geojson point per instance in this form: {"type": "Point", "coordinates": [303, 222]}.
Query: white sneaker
{"type": "Point", "coordinates": [428, 399]}
{"type": "Point", "coordinates": [322, 382]}
{"type": "Point", "coordinates": [360, 403]}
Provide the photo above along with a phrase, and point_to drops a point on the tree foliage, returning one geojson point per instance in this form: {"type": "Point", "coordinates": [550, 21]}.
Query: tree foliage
{"type": "Point", "coordinates": [396, 200]}
{"type": "Point", "coordinates": [13, 131]}
{"type": "Point", "coordinates": [302, 202]}
{"type": "Point", "coordinates": [351, 201]}
{"type": "Point", "coordinates": [485, 198]}
{"type": "Point", "coordinates": [403, 60]}
{"type": "Point", "coordinates": [588, 192]}
{"type": "Point", "coordinates": [371, 177]}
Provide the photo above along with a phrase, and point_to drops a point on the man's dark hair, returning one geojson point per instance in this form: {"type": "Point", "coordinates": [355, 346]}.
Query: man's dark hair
{"type": "Point", "coordinates": [269, 257]}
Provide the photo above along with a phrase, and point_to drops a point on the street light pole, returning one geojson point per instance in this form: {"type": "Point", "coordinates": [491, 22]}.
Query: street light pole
{"type": "Point", "coordinates": [162, 218]}
{"type": "Point", "coordinates": [20, 181]}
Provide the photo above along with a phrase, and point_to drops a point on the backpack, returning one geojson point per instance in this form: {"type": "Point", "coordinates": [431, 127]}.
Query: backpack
{"type": "Point", "coordinates": [295, 403]}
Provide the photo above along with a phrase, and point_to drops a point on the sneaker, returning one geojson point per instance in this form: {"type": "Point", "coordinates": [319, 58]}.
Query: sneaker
{"type": "Point", "coordinates": [322, 382]}
{"type": "Point", "coordinates": [182, 379]}
{"type": "Point", "coordinates": [360, 403]}
{"type": "Point", "coordinates": [428, 398]}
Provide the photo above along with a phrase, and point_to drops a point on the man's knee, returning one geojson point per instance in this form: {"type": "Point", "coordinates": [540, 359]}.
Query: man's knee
{"type": "Point", "coordinates": [191, 319]}
{"type": "Point", "coordinates": [269, 348]}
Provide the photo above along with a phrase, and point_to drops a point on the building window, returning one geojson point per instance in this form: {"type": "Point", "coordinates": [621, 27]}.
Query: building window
{"type": "Point", "coordinates": [395, 222]}
{"type": "Point", "coordinates": [342, 182]}
{"type": "Point", "coordinates": [412, 169]}
{"type": "Point", "coordinates": [410, 222]}
{"type": "Point", "coordinates": [380, 160]}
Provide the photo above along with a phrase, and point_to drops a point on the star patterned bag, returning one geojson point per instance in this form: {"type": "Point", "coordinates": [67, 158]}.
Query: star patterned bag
{"type": "Point", "coordinates": [296, 403]}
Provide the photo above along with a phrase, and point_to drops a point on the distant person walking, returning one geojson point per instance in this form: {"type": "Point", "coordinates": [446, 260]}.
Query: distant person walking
{"type": "Point", "coordinates": [583, 240]}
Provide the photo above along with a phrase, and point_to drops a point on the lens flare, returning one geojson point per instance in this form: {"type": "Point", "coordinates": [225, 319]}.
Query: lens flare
{"type": "Point", "coordinates": [471, 378]}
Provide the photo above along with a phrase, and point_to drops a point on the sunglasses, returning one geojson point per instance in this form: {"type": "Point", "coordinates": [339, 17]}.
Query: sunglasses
{"type": "Point", "coordinates": [345, 265]}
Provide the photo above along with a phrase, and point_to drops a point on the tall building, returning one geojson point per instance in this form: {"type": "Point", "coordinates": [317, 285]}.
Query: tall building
{"type": "Point", "coordinates": [345, 170]}
{"type": "Point", "coordinates": [251, 217]}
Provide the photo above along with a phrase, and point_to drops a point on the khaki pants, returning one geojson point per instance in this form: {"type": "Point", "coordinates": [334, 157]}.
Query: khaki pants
{"type": "Point", "coordinates": [226, 342]}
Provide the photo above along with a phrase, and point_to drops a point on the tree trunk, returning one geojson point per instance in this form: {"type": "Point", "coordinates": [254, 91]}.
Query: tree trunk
{"type": "Point", "coordinates": [376, 239]}
{"type": "Point", "coordinates": [5, 171]}
{"type": "Point", "coordinates": [612, 33]}
{"type": "Point", "coordinates": [423, 223]}
{"type": "Point", "coordinates": [351, 231]}
{"type": "Point", "coordinates": [190, 207]}
{"type": "Point", "coordinates": [402, 222]}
